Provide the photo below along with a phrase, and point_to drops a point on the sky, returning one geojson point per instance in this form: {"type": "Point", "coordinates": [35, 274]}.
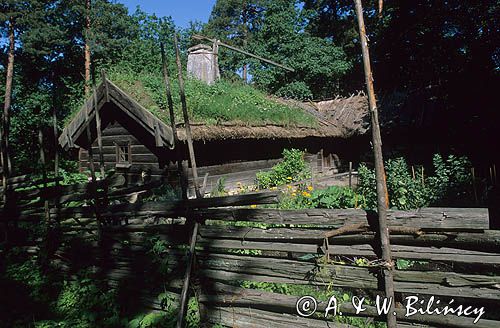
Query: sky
{"type": "Point", "coordinates": [182, 11]}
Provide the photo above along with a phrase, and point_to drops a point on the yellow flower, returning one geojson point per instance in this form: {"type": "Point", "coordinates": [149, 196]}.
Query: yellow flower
{"type": "Point", "coordinates": [294, 194]}
{"type": "Point", "coordinates": [310, 188]}
{"type": "Point", "coordinates": [306, 194]}
{"type": "Point", "coordinates": [289, 187]}
{"type": "Point", "coordinates": [289, 178]}
{"type": "Point", "coordinates": [253, 206]}
{"type": "Point", "coordinates": [274, 188]}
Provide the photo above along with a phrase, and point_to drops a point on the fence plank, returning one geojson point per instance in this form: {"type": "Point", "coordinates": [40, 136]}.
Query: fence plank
{"type": "Point", "coordinates": [223, 267]}
{"type": "Point", "coordinates": [435, 218]}
{"type": "Point", "coordinates": [230, 297]}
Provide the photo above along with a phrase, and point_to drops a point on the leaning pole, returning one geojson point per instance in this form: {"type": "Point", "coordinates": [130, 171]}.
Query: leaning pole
{"type": "Point", "coordinates": [382, 196]}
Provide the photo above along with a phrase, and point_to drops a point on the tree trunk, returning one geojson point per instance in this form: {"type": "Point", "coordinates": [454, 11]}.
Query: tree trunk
{"type": "Point", "coordinates": [87, 48]}
{"type": "Point", "coordinates": [6, 165]}
{"type": "Point", "coordinates": [245, 39]}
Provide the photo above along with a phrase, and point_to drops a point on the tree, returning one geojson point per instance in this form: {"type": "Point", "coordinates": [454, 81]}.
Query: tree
{"type": "Point", "coordinates": [319, 63]}
{"type": "Point", "coordinates": [49, 71]}
{"type": "Point", "coordinates": [11, 11]}
{"type": "Point", "coordinates": [235, 21]}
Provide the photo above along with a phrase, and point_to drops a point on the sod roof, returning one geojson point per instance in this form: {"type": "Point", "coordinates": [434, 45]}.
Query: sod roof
{"type": "Point", "coordinates": [233, 111]}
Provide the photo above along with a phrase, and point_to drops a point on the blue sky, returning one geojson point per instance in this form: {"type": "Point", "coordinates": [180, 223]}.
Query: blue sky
{"type": "Point", "coordinates": [182, 11]}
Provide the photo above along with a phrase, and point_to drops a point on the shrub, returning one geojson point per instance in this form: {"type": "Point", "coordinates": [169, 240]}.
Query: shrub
{"type": "Point", "coordinates": [334, 197]}
{"type": "Point", "coordinates": [306, 197]}
{"type": "Point", "coordinates": [295, 90]}
{"type": "Point", "coordinates": [404, 191]}
{"type": "Point", "coordinates": [291, 169]}
{"type": "Point", "coordinates": [450, 185]}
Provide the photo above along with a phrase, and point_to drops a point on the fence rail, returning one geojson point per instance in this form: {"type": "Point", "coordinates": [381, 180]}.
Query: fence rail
{"type": "Point", "coordinates": [456, 255]}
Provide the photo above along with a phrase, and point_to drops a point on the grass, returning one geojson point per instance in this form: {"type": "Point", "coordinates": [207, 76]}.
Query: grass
{"type": "Point", "coordinates": [222, 102]}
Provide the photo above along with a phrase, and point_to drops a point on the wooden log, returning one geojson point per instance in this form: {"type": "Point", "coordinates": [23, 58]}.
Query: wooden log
{"type": "Point", "coordinates": [217, 244]}
{"type": "Point", "coordinates": [225, 268]}
{"type": "Point", "coordinates": [446, 219]}
{"type": "Point", "coordinates": [450, 255]}
{"type": "Point", "coordinates": [177, 208]}
{"type": "Point", "coordinates": [266, 301]}
{"type": "Point", "coordinates": [488, 241]}
{"type": "Point", "coordinates": [245, 317]}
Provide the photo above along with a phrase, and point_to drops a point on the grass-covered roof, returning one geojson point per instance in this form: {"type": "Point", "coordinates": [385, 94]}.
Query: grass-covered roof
{"type": "Point", "coordinates": [226, 110]}
{"type": "Point", "coordinates": [222, 103]}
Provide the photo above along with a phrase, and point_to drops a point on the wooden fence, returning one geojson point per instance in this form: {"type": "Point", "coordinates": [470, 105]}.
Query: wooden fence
{"type": "Point", "coordinates": [455, 254]}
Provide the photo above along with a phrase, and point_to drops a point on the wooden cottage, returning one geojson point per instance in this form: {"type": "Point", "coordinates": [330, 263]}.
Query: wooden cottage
{"type": "Point", "coordinates": [134, 141]}
{"type": "Point", "coordinates": [138, 144]}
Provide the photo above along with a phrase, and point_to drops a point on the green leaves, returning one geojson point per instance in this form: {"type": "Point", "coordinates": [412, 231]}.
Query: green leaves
{"type": "Point", "coordinates": [450, 185]}
{"type": "Point", "coordinates": [292, 168]}
{"type": "Point", "coordinates": [335, 197]}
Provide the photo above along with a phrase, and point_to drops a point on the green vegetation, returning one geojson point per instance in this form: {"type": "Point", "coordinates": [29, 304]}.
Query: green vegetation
{"type": "Point", "coordinates": [33, 296]}
{"type": "Point", "coordinates": [291, 169]}
{"type": "Point", "coordinates": [223, 102]}
{"type": "Point", "coordinates": [456, 106]}
{"type": "Point", "coordinates": [450, 184]}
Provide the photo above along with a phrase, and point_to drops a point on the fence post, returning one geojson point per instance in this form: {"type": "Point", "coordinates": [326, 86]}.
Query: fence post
{"type": "Point", "coordinates": [382, 196]}
{"type": "Point", "coordinates": [168, 91]}
{"type": "Point", "coordinates": [191, 254]}
{"type": "Point", "coordinates": [350, 174]}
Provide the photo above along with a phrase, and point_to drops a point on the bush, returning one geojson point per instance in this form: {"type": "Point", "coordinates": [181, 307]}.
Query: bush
{"type": "Point", "coordinates": [335, 197]}
{"type": "Point", "coordinates": [291, 169]}
{"type": "Point", "coordinates": [295, 90]}
{"type": "Point", "coordinates": [450, 185]}
{"type": "Point", "coordinates": [306, 197]}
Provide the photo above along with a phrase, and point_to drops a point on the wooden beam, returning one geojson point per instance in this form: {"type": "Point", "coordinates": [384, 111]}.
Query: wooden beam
{"type": "Point", "coordinates": [201, 37]}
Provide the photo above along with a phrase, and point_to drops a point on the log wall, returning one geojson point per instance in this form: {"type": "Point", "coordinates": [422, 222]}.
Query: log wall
{"type": "Point", "coordinates": [150, 163]}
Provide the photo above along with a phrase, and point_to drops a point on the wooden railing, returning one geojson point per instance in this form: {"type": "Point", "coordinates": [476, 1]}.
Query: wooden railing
{"type": "Point", "coordinates": [454, 254]}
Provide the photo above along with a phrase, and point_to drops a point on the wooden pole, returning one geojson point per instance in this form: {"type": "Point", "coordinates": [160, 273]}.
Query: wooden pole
{"type": "Point", "coordinates": [215, 50]}
{"type": "Point", "coordinates": [491, 176]}
{"type": "Point", "coordinates": [382, 196]}
{"type": "Point", "coordinates": [474, 183]}
{"type": "Point", "coordinates": [350, 174]}
{"type": "Point", "coordinates": [43, 162]}
{"type": "Point", "coordinates": [495, 173]}
{"type": "Point", "coordinates": [201, 37]}
{"type": "Point", "coordinates": [168, 92]}
{"type": "Point", "coordinates": [186, 120]}
{"type": "Point", "coordinates": [89, 140]}
{"type": "Point", "coordinates": [413, 172]}
{"type": "Point", "coordinates": [191, 254]}
{"type": "Point", "coordinates": [56, 135]}
{"type": "Point", "coordinates": [99, 133]}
